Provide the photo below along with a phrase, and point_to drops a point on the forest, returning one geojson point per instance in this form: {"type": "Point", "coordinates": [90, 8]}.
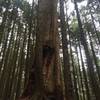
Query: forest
{"type": "Point", "coordinates": [49, 49]}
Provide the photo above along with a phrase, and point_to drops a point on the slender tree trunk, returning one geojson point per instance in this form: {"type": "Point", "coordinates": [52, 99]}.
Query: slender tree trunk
{"type": "Point", "coordinates": [28, 44]}
{"type": "Point", "coordinates": [4, 20]}
{"type": "Point", "coordinates": [92, 77]}
{"type": "Point", "coordinates": [80, 74]}
{"type": "Point", "coordinates": [5, 61]}
{"type": "Point", "coordinates": [85, 75]}
{"type": "Point", "coordinates": [66, 62]}
{"type": "Point", "coordinates": [94, 57]}
{"type": "Point", "coordinates": [95, 30]}
{"type": "Point", "coordinates": [74, 74]}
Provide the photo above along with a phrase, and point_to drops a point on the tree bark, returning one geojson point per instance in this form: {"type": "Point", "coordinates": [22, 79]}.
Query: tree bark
{"type": "Point", "coordinates": [41, 84]}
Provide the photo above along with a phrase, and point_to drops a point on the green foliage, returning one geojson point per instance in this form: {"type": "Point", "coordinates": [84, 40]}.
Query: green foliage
{"type": "Point", "coordinates": [74, 25]}
{"type": "Point", "coordinates": [74, 29]}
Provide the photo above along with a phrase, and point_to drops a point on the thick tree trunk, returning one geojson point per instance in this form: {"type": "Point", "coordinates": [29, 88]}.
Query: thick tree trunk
{"type": "Point", "coordinates": [41, 84]}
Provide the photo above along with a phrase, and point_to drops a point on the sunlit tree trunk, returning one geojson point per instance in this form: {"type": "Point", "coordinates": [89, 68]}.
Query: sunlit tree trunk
{"type": "Point", "coordinates": [95, 30]}
{"type": "Point", "coordinates": [94, 56]}
{"type": "Point", "coordinates": [85, 75]}
{"type": "Point", "coordinates": [80, 74]}
{"type": "Point", "coordinates": [66, 61]}
{"type": "Point", "coordinates": [92, 76]}
{"type": "Point", "coordinates": [74, 74]}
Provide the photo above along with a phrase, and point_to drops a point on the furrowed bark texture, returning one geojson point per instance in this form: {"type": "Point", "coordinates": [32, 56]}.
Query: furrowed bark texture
{"type": "Point", "coordinates": [45, 76]}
